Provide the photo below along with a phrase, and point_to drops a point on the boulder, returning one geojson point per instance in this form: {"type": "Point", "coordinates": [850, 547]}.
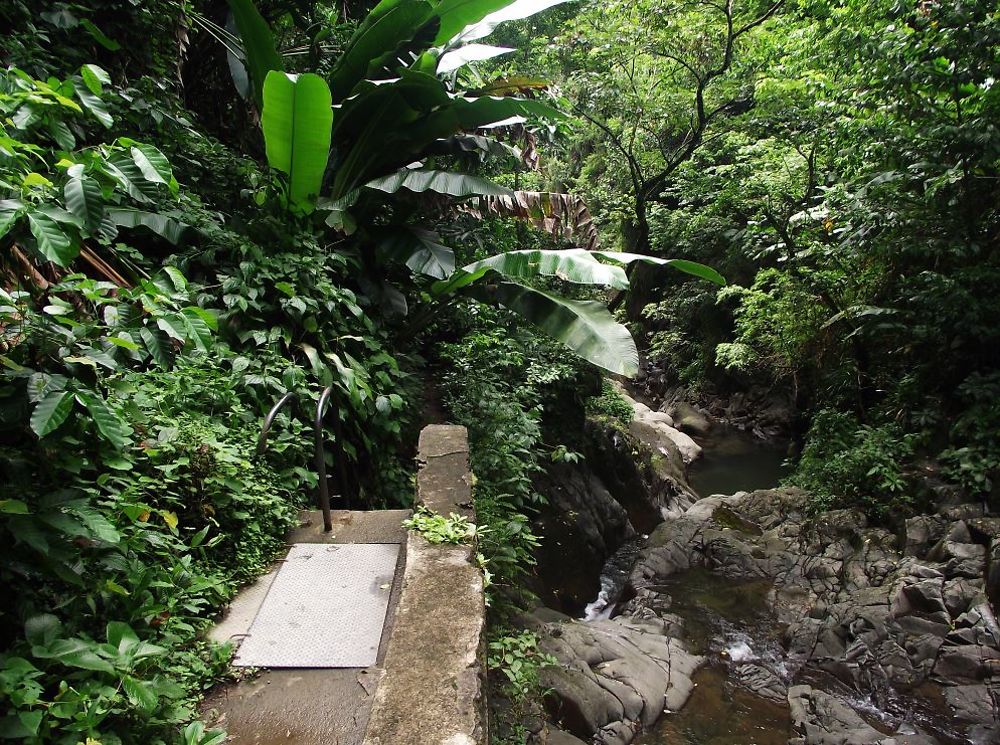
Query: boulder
{"type": "Point", "coordinates": [614, 677]}
{"type": "Point", "coordinates": [690, 419]}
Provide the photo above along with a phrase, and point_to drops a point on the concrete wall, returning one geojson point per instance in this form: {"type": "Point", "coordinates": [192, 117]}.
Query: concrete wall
{"type": "Point", "coordinates": [432, 687]}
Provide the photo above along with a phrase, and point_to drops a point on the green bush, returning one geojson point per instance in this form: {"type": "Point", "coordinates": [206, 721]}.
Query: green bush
{"type": "Point", "coordinates": [610, 403]}
{"type": "Point", "coordinates": [847, 464]}
{"type": "Point", "coordinates": [500, 381]}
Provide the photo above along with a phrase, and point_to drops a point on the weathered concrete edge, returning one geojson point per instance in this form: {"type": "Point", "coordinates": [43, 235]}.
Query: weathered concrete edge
{"type": "Point", "coordinates": [432, 686]}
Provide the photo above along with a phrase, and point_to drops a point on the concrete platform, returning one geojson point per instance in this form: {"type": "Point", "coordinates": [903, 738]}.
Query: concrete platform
{"type": "Point", "coordinates": [426, 687]}
{"type": "Point", "coordinates": [300, 706]}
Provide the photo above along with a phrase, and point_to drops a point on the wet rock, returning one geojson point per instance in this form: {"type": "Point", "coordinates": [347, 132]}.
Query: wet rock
{"type": "Point", "coordinates": [690, 419]}
{"type": "Point", "coordinates": [614, 678]}
{"type": "Point", "coordinates": [555, 736]}
{"type": "Point", "coordinates": [762, 681]}
{"type": "Point", "coordinates": [964, 663]}
{"type": "Point", "coordinates": [977, 706]}
{"type": "Point", "coordinates": [922, 532]}
{"type": "Point", "coordinates": [583, 525]}
{"type": "Point", "coordinates": [647, 483]}
{"type": "Point", "coordinates": [824, 719]}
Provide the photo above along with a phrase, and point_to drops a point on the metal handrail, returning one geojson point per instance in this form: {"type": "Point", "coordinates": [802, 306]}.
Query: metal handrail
{"type": "Point", "coordinates": [320, 459]}
{"type": "Point", "coordinates": [324, 486]}
{"type": "Point", "coordinates": [269, 420]}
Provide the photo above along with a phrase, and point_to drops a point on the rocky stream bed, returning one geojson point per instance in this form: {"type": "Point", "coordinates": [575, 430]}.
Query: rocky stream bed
{"type": "Point", "coordinates": [741, 619]}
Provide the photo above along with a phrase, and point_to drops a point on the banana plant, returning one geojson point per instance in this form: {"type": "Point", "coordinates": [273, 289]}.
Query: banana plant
{"type": "Point", "coordinates": [390, 106]}
{"type": "Point", "coordinates": [393, 102]}
{"type": "Point", "coordinates": [585, 326]}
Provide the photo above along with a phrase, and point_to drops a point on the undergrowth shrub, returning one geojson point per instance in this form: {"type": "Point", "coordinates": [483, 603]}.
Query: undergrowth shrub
{"type": "Point", "coordinates": [116, 561]}
{"type": "Point", "coordinates": [610, 403]}
{"type": "Point", "coordinates": [847, 464]}
{"type": "Point", "coordinates": [501, 381]}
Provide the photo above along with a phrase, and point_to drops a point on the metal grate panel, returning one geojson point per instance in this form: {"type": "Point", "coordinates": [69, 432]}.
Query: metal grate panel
{"type": "Point", "coordinates": [325, 608]}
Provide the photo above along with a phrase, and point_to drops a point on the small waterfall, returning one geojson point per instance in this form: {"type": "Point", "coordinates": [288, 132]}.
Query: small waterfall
{"type": "Point", "coordinates": [613, 577]}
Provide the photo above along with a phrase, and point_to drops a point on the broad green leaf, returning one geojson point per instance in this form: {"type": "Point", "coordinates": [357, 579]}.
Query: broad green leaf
{"type": "Point", "coordinates": [570, 265]}
{"type": "Point", "coordinates": [8, 218]}
{"type": "Point", "coordinates": [260, 55]}
{"type": "Point", "coordinates": [476, 24]}
{"type": "Point", "coordinates": [153, 165]}
{"type": "Point", "coordinates": [178, 280]}
{"type": "Point", "coordinates": [198, 331]}
{"type": "Point", "coordinates": [95, 78]}
{"type": "Point", "coordinates": [43, 629]}
{"type": "Point", "coordinates": [101, 358]}
{"type": "Point", "coordinates": [420, 251]}
{"type": "Point", "coordinates": [31, 720]}
{"type": "Point", "coordinates": [173, 326]}
{"type": "Point", "coordinates": [456, 15]}
{"type": "Point", "coordinates": [13, 507]}
{"type": "Point", "coordinates": [123, 169]}
{"type": "Point", "coordinates": [297, 121]}
{"type": "Point", "coordinates": [35, 179]}
{"type": "Point", "coordinates": [585, 326]}
{"type": "Point", "coordinates": [168, 228]}
{"type": "Point", "coordinates": [62, 134]}
{"type": "Point", "coordinates": [93, 104]}
{"type": "Point", "coordinates": [51, 412]}
{"type": "Point", "coordinates": [112, 429]}
{"type": "Point", "coordinates": [41, 385]}
{"type": "Point", "coordinates": [470, 53]}
{"type": "Point", "coordinates": [688, 267]}
{"type": "Point", "coordinates": [99, 527]}
{"type": "Point", "coordinates": [140, 693]}
{"type": "Point", "coordinates": [74, 653]}
{"type": "Point", "coordinates": [99, 36]}
{"type": "Point", "coordinates": [121, 636]}
{"type": "Point", "coordinates": [390, 24]}
{"type": "Point", "coordinates": [441, 182]}
{"type": "Point", "coordinates": [158, 346]}
{"type": "Point", "coordinates": [85, 200]}
{"type": "Point", "coordinates": [123, 342]}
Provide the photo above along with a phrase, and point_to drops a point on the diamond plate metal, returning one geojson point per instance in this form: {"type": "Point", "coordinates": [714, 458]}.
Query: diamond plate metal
{"type": "Point", "coordinates": [325, 608]}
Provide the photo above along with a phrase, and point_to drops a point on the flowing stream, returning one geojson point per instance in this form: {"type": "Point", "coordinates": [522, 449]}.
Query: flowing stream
{"type": "Point", "coordinates": [730, 623]}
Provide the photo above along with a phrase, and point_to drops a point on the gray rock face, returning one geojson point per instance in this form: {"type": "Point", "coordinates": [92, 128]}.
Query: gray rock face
{"type": "Point", "coordinates": [822, 718]}
{"type": "Point", "coordinates": [690, 419]}
{"type": "Point", "coordinates": [583, 525]}
{"type": "Point", "coordinates": [877, 615]}
{"type": "Point", "coordinates": [614, 678]}
{"type": "Point", "coordinates": [656, 430]}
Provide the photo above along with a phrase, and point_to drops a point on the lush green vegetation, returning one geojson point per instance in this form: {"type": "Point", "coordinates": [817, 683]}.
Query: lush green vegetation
{"type": "Point", "coordinates": [197, 218]}
{"type": "Point", "coordinates": [205, 205]}
{"type": "Point", "coordinates": [837, 161]}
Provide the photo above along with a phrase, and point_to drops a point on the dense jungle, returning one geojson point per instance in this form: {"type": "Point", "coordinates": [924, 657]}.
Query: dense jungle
{"type": "Point", "coordinates": [714, 286]}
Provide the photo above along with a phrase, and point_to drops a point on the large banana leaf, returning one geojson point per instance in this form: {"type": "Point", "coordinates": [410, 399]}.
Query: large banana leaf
{"type": "Point", "coordinates": [297, 120]}
{"type": "Point", "coordinates": [440, 182]}
{"type": "Point", "coordinates": [479, 27]}
{"type": "Point", "coordinates": [688, 267]}
{"type": "Point", "coordinates": [389, 126]}
{"type": "Point", "coordinates": [462, 56]}
{"type": "Point", "coordinates": [585, 326]}
{"type": "Point", "coordinates": [419, 249]}
{"type": "Point", "coordinates": [389, 25]}
{"type": "Point", "coordinates": [571, 265]}
{"type": "Point", "coordinates": [564, 216]}
{"type": "Point", "coordinates": [259, 53]}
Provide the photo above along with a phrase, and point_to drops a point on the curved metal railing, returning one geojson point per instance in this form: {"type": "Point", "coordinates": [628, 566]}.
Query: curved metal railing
{"type": "Point", "coordinates": [269, 420]}
{"type": "Point", "coordinates": [323, 491]}
{"type": "Point", "coordinates": [324, 484]}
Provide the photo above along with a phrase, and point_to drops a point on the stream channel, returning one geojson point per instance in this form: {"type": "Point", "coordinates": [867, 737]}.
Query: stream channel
{"type": "Point", "coordinates": [730, 622]}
